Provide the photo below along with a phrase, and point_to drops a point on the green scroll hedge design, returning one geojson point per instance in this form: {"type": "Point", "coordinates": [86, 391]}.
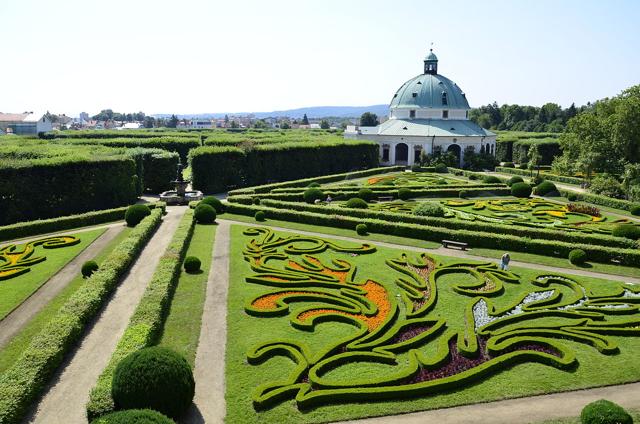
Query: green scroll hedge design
{"type": "Point", "coordinates": [394, 320]}
{"type": "Point", "coordinates": [16, 259]}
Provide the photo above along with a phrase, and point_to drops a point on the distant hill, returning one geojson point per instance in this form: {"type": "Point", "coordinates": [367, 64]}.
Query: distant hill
{"type": "Point", "coordinates": [312, 112]}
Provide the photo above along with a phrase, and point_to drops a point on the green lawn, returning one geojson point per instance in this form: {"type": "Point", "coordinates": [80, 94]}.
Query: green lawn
{"type": "Point", "coordinates": [182, 327]}
{"type": "Point", "coordinates": [559, 262]}
{"type": "Point", "coordinates": [16, 346]}
{"type": "Point", "coordinates": [260, 325]}
{"type": "Point", "coordinates": [14, 291]}
{"type": "Point", "coordinates": [337, 231]}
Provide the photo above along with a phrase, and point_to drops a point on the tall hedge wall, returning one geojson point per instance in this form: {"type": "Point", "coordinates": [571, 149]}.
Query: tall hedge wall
{"type": "Point", "coordinates": [180, 145]}
{"type": "Point", "coordinates": [216, 169]}
{"type": "Point", "coordinates": [548, 148]}
{"type": "Point", "coordinates": [65, 186]}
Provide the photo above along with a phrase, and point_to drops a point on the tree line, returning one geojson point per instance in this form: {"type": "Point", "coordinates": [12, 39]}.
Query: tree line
{"type": "Point", "coordinates": [550, 117]}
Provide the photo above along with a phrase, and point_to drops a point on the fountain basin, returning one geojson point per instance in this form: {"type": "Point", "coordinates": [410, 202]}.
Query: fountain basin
{"type": "Point", "coordinates": [172, 197]}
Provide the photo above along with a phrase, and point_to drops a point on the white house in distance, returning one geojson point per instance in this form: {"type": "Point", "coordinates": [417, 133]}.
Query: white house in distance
{"type": "Point", "coordinates": [428, 111]}
{"type": "Point", "coordinates": [27, 123]}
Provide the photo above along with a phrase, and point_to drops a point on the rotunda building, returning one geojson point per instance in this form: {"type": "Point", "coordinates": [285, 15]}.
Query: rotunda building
{"type": "Point", "coordinates": [428, 112]}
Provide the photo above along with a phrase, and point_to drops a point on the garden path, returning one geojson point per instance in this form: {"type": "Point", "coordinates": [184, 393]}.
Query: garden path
{"type": "Point", "coordinates": [531, 409]}
{"type": "Point", "coordinates": [456, 253]}
{"type": "Point", "coordinates": [209, 402]}
{"type": "Point", "coordinates": [65, 398]}
{"type": "Point", "coordinates": [15, 321]}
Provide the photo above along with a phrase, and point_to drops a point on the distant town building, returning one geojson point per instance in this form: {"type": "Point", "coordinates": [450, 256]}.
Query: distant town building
{"type": "Point", "coordinates": [428, 112]}
{"type": "Point", "coordinates": [84, 117]}
{"type": "Point", "coordinates": [27, 123]}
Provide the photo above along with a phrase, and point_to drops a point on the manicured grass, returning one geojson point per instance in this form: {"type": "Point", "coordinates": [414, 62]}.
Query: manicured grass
{"type": "Point", "coordinates": [182, 327]}
{"type": "Point", "coordinates": [371, 237]}
{"type": "Point", "coordinates": [14, 291]}
{"type": "Point", "coordinates": [635, 414]}
{"type": "Point", "coordinates": [21, 341]}
{"type": "Point", "coordinates": [249, 331]}
{"type": "Point", "coordinates": [560, 262]}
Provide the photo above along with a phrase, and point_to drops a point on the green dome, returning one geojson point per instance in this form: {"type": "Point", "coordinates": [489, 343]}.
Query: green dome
{"type": "Point", "coordinates": [428, 91]}
{"type": "Point", "coordinates": [432, 56]}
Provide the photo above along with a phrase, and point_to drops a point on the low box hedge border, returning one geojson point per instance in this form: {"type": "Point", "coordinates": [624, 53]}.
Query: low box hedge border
{"type": "Point", "coordinates": [22, 383]}
{"type": "Point", "coordinates": [451, 224]}
{"type": "Point", "coordinates": [146, 323]}
{"type": "Point", "coordinates": [600, 200]}
{"type": "Point", "coordinates": [44, 226]}
{"type": "Point", "coordinates": [490, 240]}
{"type": "Point", "coordinates": [547, 176]}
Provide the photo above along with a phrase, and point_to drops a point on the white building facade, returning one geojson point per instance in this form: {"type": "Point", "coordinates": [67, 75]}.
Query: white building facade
{"type": "Point", "coordinates": [428, 112]}
{"type": "Point", "coordinates": [27, 123]}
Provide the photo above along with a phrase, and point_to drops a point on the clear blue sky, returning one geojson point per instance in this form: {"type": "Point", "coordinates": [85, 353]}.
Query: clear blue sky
{"type": "Point", "coordinates": [194, 56]}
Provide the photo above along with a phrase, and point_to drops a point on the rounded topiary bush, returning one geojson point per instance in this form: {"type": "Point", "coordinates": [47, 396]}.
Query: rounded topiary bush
{"type": "Point", "coordinates": [357, 203]}
{"type": "Point", "coordinates": [629, 231]}
{"type": "Point", "coordinates": [572, 197]}
{"type": "Point", "coordinates": [204, 214]}
{"type": "Point", "coordinates": [192, 264]}
{"type": "Point", "coordinates": [473, 177]}
{"type": "Point", "coordinates": [314, 185]}
{"type": "Point", "coordinates": [213, 202]}
{"type": "Point", "coordinates": [404, 194]}
{"type": "Point", "coordinates": [537, 180]}
{"type": "Point", "coordinates": [143, 379]}
{"type": "Point", "coordinates": [490, 179]}
{"type": "Point", "coordinates": [256, 200]}
{"type": "Point", "coordinates": [366, 194]}
{"type": "Point", "coordinates": [635, 210]}
{"type": "Point", "coordinates": [429, 209]}
{"type": "Point", "coordinates": [441, 168]}
{"type": "Point", "coordinates": [545, 188]}
{"type": "Point", "coordinates": [259, 216]}
{"type": "Point", "coordinates": [134, 416]}
{"type": "Point", "coordinates": [515, 179]}
{"type": "Point", "coordinates": [89, 268]}
{"type": "Point", "coordinates": [577, 256]}
{"type": "Point", "coordinates": [135, 214]}
{"type": "Point", "coordinates": [463, 194]}
{"type": "Point", "coordinates": [522, 190]}
{"type": "Point", "coordinates": [310, 195]}
{"type": "Point", "coordinates": [604, 412]}
{"type": "Point", "coordinates": [362, 229]}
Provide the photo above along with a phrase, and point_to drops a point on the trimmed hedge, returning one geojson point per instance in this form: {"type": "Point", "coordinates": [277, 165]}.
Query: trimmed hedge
{"type": "Point", "coordinates": [522, 190]}
{"type": "Point", "coordinates": [545, 188]}
{"type": "Point", "coordinates": [217, 169]}
{"type": "Point", "coordinates": [204, 214]}
{"type": "Point", "coordinates": [630, 231]}
{"type": "Point", "coordinates": [22, 383]}
{"type": "Point", "coordinates": [312, 194]}
{"type": "Point", "coordinates": [214, 202]}
{"type": "Point", "coordinates": [192, 264]}
{"type": "Point", "coordinates": [135, 214]}
{"type": "Point", "coordinates": [134, 416]}
{"type": "Point", "coordinates": [89, 268]}
{"type": "Point", "coordinates": [597, 199]}
{"type": "Point", "coordinates": [546, 175]}
{"type": "Point", "coordinates": [549, 149]}
{"type": "Point", "coordinates": [356, 203]}
{"type": "Point", "coordinates": [259, 216]}
{"type": "Point", "coordinates": [604, 412]}
{"type": "Point", "coordinates": [145, 326]}
{"type": "Point", "coordinates": [577, 256]}
{"type": "Point", "coordinates": [361, 229]}
{"type": "Point", "coordinates": [180, 145]}
{"type": "Point", "coordinates": [409, 227]}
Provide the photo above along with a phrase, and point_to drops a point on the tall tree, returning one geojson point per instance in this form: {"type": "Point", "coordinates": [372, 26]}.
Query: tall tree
{"type": "Point", "coordinates": [324, 124]}
{"type": "Point", "coordinates": [172, 122]}
{"type": "Point", "coordinates": [305, 120]}
{"type": "Point", "coordinates": [369, 119]}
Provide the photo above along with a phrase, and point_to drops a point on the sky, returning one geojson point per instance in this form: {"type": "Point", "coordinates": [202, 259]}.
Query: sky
{"type": "Point", "coordinates": [198, 56]}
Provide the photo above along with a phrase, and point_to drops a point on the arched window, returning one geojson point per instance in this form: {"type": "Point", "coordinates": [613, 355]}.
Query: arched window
{"type": "Point", "coordinates": [445, 101]}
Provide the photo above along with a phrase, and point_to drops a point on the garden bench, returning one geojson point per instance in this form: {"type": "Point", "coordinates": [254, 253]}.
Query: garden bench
{"type": "Point", "coordinates": [461, 245]}
{"type": "Point", "coordinates": [385, 198]}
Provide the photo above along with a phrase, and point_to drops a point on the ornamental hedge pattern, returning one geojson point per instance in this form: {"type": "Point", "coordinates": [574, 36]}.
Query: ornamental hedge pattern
{"type": "Point", "coordinates": [403, 314]}
{"type": "Point", "coordinates": [16, 259]}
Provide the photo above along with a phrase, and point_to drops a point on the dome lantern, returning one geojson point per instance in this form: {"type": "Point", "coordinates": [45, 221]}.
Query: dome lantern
{"type": "Point", "coordinates": [431, 63]}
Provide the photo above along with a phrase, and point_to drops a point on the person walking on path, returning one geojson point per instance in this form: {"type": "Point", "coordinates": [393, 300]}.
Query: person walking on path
{"type": "Point", "coordinates": [504, 262]}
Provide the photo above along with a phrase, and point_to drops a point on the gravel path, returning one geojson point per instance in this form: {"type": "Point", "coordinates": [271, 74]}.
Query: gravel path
{"type": "Point", "coordinates": [455, 253]}
{"type": "Point", "coordinates": [524, 410]}
{"type": "Point", "coordinates": [66, 396]}
{"type": "Point", "coordinates": [209, 403]}
{"type": "Point", "coordinates": [13, 323]}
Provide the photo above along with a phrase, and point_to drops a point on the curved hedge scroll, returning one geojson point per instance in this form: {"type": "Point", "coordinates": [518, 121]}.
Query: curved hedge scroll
{"type": "Point", "coordinates": [18, 259]}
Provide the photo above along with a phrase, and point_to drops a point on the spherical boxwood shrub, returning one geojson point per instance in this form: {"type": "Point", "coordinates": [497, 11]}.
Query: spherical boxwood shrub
{"type": "Point", "coordinates": [204, 214]}
{"type": "Point", "coordinates": [537, 180]}
{"type": "Point", "coordinates": [463, 194]}
{"type": "Point", "coordinates": [545, 188]}
{"type": "Point", "coordinates": [256, 200]}
{"type": "Point", "coordinates": [134, 416]}
{"type": "Point", "coordinates": [135, 214]}
{"type": "Point", "coordinates": [314, 185]}
{"type": "Point", "coordinates": [522, 190]}
{"type": "Point", "coordinates": [214, 202]}
{"type": "Point", "coordinates": [604, 412]}
{"type": "Point", "coordinates": [515, 179]}
{"type": "Point", "coordinates": [404, 194]}
{"type": "Point", "coordinates": [441, 168]}
{"type": "Point", "coordinates": [192, 264]}
{"type": "Point", "coordinates": [577, 256]}
{"type": "Point", "coordinates": [428, 209]}
{"type": "Point", "coordinates": [473, 177]}
{"type": "Point", "coordinates": [310, 195]}
{"type": "Point", "coordinates": [629, 231]}
{"type": "Point", "coordinates": [635, 210]}
{"type": "Point", "coordinates": [490, 179]}
{"type": "Point", "coordinates": [357, 203]}
{"type": "Point", "coordinates": [362, 229]}
{"type": "Point", "coordinates": [259, 216]}
{"type": "Point", "coordinates": [572, 197]}
{"type": "Point", "coordinates": [156, 378]}
{"type": "Point", "coordinates": [366, 194]}
{"type": "Point", "coordinates": [89, 268]}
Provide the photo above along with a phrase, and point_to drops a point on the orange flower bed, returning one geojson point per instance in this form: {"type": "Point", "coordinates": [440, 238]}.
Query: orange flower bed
{"type": "Point", "coordinates": [269, 301]}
